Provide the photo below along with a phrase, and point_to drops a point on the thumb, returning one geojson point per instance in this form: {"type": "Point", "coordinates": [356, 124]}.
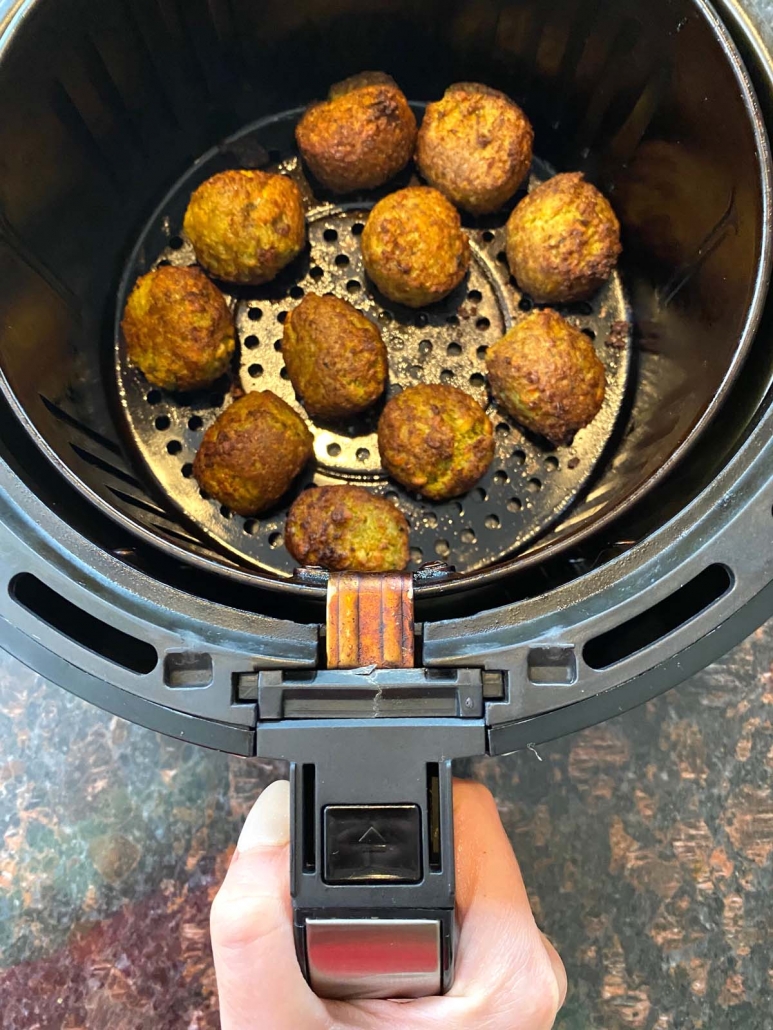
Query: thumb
{"type": "Point", "coordinates": [251, 925]}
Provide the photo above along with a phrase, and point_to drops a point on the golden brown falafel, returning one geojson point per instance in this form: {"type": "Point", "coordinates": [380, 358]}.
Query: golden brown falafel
{"type": "Point", "coordinates": [547, 375]}
{"type": "Point", "coordinates": [361, 136]}
{"type": "Point", "coordinates": [178, 328]}
{"type": "Point", "coordinates": [414, 248]}
{"type": "Point", "coordinates": [246, 225]}
{"type": "Point", "coordinates": [345, 528]}
{"type": "Point", "coordinates": [475, 146]}
{"type": "Point", "coordinates": [563, 240]}
{"type": "Point", "coordinates": [252, 452]}
{"type": "Point", "coordinates": [335, 357]}
{"type": "Point", "coordinates": [435, 439]}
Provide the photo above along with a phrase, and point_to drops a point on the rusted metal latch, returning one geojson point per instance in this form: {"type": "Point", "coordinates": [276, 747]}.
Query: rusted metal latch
{"type": "Point", "coordinates": [370, 620]}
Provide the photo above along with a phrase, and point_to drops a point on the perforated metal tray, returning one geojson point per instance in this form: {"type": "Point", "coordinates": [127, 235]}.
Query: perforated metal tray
{"type": "Point", "coordinates": [528, 485]}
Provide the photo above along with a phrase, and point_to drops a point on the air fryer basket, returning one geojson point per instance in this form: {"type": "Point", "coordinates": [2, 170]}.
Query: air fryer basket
{"type": "Point", "coordinates": [109, 588]}
{"type": "Point", "coordinates": [105, 105]}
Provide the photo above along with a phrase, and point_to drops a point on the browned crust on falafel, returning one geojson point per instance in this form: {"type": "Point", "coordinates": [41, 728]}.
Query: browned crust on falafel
{"type": "Point", "coordinates": [563, 240]}
{"type": "Point", "coordinates": [547, 375]}
{"type": "Point", "coordinates": [414, 248]}
{"type": "Point", "coordinates": [335, 357]}
{"type": "Point", "coordinates": [435, 439]}
{"type": "Point", "coordinates": [360, 81]}
{"type": "Point", "coordinates": [475, 146]}
{"type": "Point", "coordinates": [178, 328]}
{"type": "Point", "coordinates": [251, 454]}
{"type": "Point", "coordinates": [345, 528]}
{"type": "Point", "coordinates": [246, 225]}
{"type": "Point", "coordinates": [359, 138]}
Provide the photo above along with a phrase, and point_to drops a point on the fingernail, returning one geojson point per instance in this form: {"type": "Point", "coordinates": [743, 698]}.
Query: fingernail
{"type": "Point", "coordinates": [268, 822]}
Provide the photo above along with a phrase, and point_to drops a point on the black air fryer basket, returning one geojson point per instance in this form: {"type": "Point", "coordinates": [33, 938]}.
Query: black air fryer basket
{"type": "Point", "coordinates": [569, 586]}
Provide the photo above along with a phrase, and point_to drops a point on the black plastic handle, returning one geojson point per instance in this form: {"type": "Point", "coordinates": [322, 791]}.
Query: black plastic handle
{"type": "Point", "coordinates": [372, 874]}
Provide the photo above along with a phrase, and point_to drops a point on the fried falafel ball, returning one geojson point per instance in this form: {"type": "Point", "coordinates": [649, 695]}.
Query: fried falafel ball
{"type": "Point", "coordinates": [414, 248]}
{"type": "Point", "coordinates": [563, 240]}
{"type": "Point", "coordinates": [178, 328]}
{"type": "Point", "coordinates": [335, 357]}
{"type": "Point", "coordinates": [361, 136]}
{"type": "Point", "coordinates": [547, 375]}
{"type": "Point", "coordinates": [345, 528]}
{"type": "Point", "coordinates": [252, 452]}
{"type": "Point", "coordinates": [246, 225]}
{"type": "Point", "coordinates": [475, 146]}
{"type": "Point", "coordinates": [435, 439]}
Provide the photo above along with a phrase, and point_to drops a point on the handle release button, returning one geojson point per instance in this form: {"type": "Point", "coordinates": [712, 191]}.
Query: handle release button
{"type": "Point", "coordinates": [372, 844]}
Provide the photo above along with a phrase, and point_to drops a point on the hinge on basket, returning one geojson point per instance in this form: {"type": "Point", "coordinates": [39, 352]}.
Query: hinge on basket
{"type": "Point", "coordinates": [370, 621]}
{"type": "Point", "coordinates": [371, 671]}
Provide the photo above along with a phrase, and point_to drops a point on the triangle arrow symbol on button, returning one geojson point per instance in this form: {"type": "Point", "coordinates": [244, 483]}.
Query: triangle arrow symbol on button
{"type": "Point", "coordinates": [372, 837]}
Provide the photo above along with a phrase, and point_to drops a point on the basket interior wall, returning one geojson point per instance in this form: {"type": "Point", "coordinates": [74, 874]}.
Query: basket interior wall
{"type": "Point", "coordinates": [104, 104]}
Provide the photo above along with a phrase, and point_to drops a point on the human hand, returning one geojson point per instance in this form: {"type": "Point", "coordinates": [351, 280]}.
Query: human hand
{"type": "Point", "coordinates": [508, 975]}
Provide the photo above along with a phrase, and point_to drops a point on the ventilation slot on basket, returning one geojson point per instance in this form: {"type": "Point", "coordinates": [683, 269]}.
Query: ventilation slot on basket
{"type": "Point", "coordinates": [663, 618]}
{"type": "Point", "coordinates": [81, 427]}
{"type": "Point", "coordinates": [105, 466]}
{"type": "Point", "coordinates": [73, 622]}
{"type": "Point", "coordinates": [138, 502]}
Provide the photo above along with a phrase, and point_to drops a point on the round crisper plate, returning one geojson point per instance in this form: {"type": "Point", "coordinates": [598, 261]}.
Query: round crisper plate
{"type": "Point", "coordinates": [528, 485]}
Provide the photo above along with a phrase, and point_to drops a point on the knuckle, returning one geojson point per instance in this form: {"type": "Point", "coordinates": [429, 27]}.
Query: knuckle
{"type": "Point", "coordinates": [474, 793]}
{"type": "Point", "coordinates": [543, 997]}
{"type": "Point", "coordinates": [528, 1000]}
{"type": "Point", "coordinates": [533, 1002]}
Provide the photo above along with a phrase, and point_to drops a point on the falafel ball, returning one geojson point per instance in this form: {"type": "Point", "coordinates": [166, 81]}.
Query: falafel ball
{"type": "Point", "coordinates": [547, 375]}
{"type": "Point", "coordinates": [178, 328]}
{"type": "Point", "coordinates": [252, 452]}
{"type": "Point", "coordinates": [246, 225]}
{"type": "Point", "coordinates": [335, 357]}
{"type": "Point", "coordinates": [345, 528]}
{"type": "Point", "coordinates": [361, 136]}
{"type": "Point", "coordinates": [435, 439]}
{"type": "Point", "coordinates": [414, 248]}
{"type": "Point", "coordinates": [475, 146]}
{"type": "Point", "coordinates": [563, 240]}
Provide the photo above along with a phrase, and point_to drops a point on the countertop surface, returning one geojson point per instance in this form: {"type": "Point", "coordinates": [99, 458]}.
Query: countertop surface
{"type": "Point", "coordinates": [646, 844]}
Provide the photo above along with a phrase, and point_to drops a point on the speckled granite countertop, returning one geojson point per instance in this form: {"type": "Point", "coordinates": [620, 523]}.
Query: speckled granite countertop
{"type": "Point", "coordinates": [646, 844]}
